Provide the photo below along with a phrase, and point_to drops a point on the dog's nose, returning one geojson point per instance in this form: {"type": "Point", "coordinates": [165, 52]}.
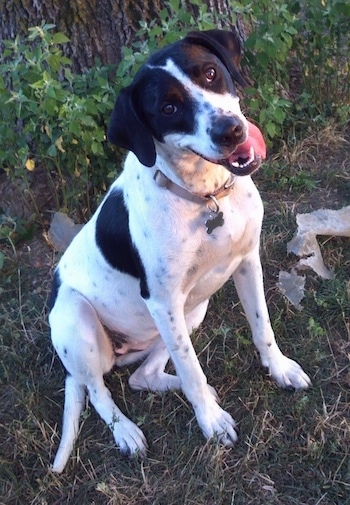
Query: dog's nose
{"type": "Point", "coordinates": [227, 132]}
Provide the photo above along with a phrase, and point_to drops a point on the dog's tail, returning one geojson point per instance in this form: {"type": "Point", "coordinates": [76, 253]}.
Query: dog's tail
{"type": "Point", "coordinates": [75, 395]}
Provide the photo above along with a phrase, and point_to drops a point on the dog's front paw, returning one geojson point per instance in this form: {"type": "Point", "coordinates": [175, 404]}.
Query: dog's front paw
{"type": "Point", "coordinates": [216, 422]}
{"type": "Point", "coordinates": [130, 439]}
{"type": "Point", "coordinates": [288, 374]}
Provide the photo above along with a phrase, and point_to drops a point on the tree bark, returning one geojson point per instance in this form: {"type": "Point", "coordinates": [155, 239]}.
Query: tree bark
{"type": "Point", "coordinates": [96, 28]}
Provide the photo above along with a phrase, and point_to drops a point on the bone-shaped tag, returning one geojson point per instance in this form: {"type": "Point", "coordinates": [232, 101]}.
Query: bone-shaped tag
{"type": "Point", "coordinates": [214, 222]}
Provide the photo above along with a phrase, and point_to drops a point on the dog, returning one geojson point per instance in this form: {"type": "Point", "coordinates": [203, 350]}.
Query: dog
{"type": "Point", "coordinates": [180, 220]}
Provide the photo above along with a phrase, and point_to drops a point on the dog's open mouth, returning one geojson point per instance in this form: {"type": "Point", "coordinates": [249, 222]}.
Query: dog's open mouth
{"type": "Point", "coordinates": [248, 156]}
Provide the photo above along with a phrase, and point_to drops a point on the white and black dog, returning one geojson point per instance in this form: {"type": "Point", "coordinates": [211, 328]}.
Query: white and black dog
{"type": "Point", "coordinates": [183, 217]}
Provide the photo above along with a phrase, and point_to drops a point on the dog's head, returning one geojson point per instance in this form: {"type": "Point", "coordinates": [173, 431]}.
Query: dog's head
{"type": "Point", "coordinates": [184, 100]}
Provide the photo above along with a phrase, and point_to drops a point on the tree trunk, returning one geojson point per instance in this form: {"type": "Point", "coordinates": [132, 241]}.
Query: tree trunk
{"type": "Point", "coordinates": [96, 28]}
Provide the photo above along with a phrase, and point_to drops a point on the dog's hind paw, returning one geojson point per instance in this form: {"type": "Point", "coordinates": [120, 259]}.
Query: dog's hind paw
{"type": "Point", "coordinates": [289, 375]}
{"type": "Point", "coordinates": [157, 382]}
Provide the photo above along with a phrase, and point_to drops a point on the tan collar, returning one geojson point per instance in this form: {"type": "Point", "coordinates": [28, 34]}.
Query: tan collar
{"type": "Point", "coordinates": [163, 182]}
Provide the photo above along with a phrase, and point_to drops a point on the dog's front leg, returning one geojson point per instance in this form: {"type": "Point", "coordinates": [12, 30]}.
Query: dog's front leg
{"type": "Point", "coordinates": [248, 280]}
{"type": "Point", "coordinates": [212, 419]}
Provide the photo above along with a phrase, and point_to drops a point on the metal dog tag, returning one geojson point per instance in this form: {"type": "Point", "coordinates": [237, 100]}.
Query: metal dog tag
{"type": "Point", "coordinates": [214, 222]}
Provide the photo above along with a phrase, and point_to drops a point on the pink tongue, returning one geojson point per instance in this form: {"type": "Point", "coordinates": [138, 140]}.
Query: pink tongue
{"type": "Point", "coordinates": [254, 139]}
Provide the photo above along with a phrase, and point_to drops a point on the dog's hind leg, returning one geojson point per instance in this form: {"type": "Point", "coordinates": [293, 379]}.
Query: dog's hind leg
{"type": "Point", "coordinates": [75, 395]}
{"type": "Point", "coordinates": [87, 354]}
{"type": "Point", "coordinates": [150, 375]}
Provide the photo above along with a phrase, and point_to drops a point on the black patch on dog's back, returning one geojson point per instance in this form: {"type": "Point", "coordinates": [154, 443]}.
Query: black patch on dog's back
{"type": "Point", "coordinates": [114, 240]}
{"type": "Point", "coordinates": [56, 283]}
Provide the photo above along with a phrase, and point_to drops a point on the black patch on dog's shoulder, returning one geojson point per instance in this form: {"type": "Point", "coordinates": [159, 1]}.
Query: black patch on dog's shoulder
{"type": "Point", "coordinates": [56, 283]}
{"type": "Point", "coordinates": [114, 240]}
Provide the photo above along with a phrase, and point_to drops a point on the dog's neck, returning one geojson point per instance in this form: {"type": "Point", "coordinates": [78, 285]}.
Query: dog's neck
{"type": "Point", "coordinates": [193, 174]}
{"type": "Point", "coordinates": [215, 217]}
{"type": "Point", "coordinates": [164, 182]}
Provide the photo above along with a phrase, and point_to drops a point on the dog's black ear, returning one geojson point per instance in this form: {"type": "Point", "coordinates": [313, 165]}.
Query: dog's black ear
{"type": "Point", "coordinates": [226, 46]}
{"type": "Point", "coordinates": [127, 130]}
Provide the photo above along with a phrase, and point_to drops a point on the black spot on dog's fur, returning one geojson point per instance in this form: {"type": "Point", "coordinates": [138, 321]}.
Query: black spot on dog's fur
{"type": "Point", "coordinates": [114, 240]}
{"type": "Point", "coordinates": [191, 272]}
{"type": "Point", "coordinates": [56, 283]}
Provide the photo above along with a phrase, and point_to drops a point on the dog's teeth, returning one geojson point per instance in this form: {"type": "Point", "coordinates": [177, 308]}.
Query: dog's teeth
{"type": "Point", "coordinates": [246, 163]}
{"type": "Point", "coordinates": [251, 157]}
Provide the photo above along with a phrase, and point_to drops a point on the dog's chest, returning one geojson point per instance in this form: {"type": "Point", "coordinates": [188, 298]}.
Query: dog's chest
{"type": "Point", "coordinates": [180, 251]}
{"type": "Point", "coordinates": [219, 254]}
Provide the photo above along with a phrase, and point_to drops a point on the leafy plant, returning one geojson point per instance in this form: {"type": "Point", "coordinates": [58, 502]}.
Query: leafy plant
{"type": "Point", "coordinates": [298, 54]}
{"type": "Point", "coordinates": [321, 54]}
{"type": "Point", "coordinates": [58, 120]}
{"type": "Point", "coordinates": [272, 28]}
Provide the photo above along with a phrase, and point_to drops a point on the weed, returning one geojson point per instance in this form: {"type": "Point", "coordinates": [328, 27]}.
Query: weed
{"type": "Point", "coordinates": [298, 54]}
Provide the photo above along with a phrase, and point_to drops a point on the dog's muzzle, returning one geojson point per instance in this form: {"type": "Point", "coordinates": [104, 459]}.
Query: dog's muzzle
{"type": "Point", "coordinates": [249, 146]}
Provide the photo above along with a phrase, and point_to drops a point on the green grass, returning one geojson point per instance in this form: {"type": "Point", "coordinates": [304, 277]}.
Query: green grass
{"type": "Point", "coordinates": [294, 448]}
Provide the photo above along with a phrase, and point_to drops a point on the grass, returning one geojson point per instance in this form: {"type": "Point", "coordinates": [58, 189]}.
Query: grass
{"type": "Point", "coordinates": [294, 448]}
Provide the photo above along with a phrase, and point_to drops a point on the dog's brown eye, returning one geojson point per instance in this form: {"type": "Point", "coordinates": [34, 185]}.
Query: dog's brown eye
{"type": "Point", "coordinates": [169, 109]}
{"type": "Point", "coordinates": [210, 74]}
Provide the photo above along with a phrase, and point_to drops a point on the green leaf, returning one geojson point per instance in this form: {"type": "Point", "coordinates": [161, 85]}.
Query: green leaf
{"type": "Point", "coordinates": [54, 61]}
{"type": "Point", "coordinates": [48, 26]}
{"type": "Point", "coordinates": [271, 129]}
{"type": "Point", "coordinates": [52, 151]}
{"type": "Point", "coordinates": [95, 147]}
{"type": "Point", "coordinates": [38, 84]}
{"type": "Point", "coordinates": [88, 121]}
{"type": "Point", "coordinates": [75, 127]}
{"type": "Point", "coordinates": [60, 38]}
{"type": "Point", "coordinates": [279, 115]}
